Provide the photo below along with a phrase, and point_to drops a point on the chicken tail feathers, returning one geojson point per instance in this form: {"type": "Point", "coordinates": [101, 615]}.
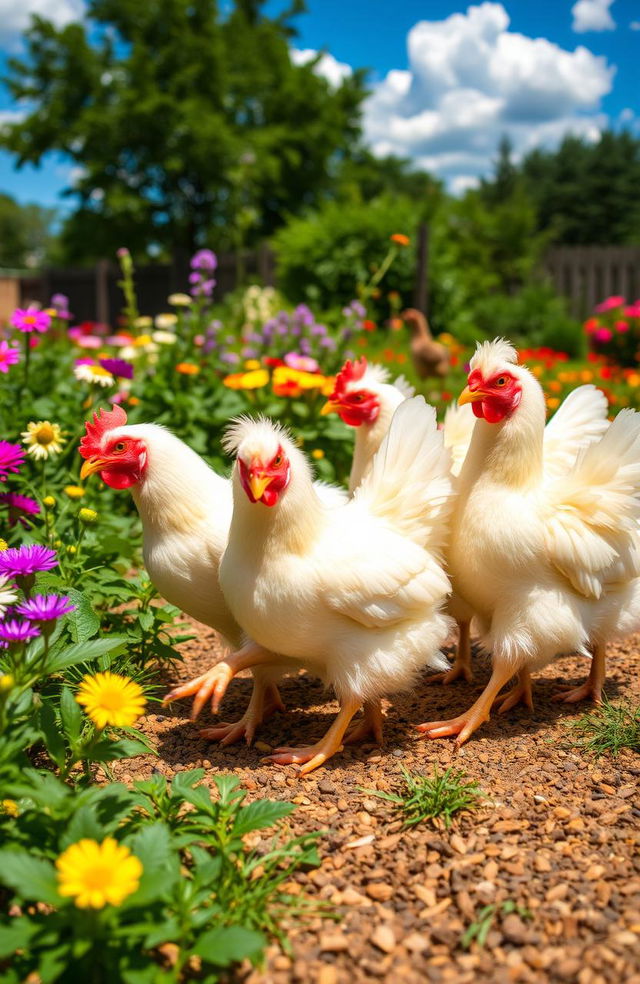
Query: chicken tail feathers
{"type": "Point", "coordinates": [409, 484]}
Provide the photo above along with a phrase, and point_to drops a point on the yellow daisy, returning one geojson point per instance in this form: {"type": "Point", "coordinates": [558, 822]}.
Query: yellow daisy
{"type": "Point", "coordinates": [74, 491]}
{"type": "Point", "coordinates": [86, 373]}
{"type": "Point", "coordinates": [111, 699]}
{"type": "Point", "coordinates": [43, 438]}
{"type": "Point", "coordinates": [96, 875]}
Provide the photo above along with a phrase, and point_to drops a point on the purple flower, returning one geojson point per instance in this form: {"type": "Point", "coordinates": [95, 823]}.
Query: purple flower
{"type": "Point", "coordinates": [13, 631]}
{"type": "Point", "coordinates": [27, 559]}
{"type": "Point", "coordinates": [204, 259]}
{"type": "Point", "coordinates": [328, 343]}
{"type": "Point", "coordinates": [60, 301]}
{"type": "Point", "coordinates": [30, 319]}
{"type": "Point", "coordinates": [229, 358]}
{"type": "Point", "coordinates": [11, 457]}
{"type": "Point", "coordinates": [45, 608]}
{"type": "Point", "coordinates": [318, 330]}
{"type": "Point", "coordinates": [249, 353]}
{"type": "Point", "coordinates": [205, 287]}
{"type": "Point", "coordinates": [8, 356]}
{"type": "Point", "coordinates": [19, 504]}
{"type": "Point", "coordinates": [118, 368]}
{"type": "Point", "coordinates": [122, 252]}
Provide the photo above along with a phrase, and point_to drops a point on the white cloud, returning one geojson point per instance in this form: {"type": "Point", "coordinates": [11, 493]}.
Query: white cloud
{"type": "Point", "coordinates": [635, 25]}
{"type": "Point", "coordinates": [15, 16]}
{"type": "Point", "coordinates": [592, 15]}
{"type": "Point", "coordinates": [328, 67]}
{"type": "Point", "coordinates": [470, 80]}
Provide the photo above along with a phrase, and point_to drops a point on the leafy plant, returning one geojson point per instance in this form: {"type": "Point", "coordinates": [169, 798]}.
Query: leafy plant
{"type": "Point", "coordinates": [608, 729]}
{"type": "Point", "coordinates": [479, 929]}
{"type": "Point", "coordinates": [426, 798]}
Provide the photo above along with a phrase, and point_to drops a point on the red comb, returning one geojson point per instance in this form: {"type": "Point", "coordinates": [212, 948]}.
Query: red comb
{"type": "Point", "coordinates": [103, 421]}
{"type": "Point", "coordinates": [351, 372]}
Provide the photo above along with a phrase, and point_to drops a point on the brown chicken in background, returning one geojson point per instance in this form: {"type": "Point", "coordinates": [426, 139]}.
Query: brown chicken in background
{"type": "Point", "coordinates": [428, 356]}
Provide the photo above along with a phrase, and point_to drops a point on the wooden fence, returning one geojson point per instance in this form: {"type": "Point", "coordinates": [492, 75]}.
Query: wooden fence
{"type": "Point", "coordinates": [586, 275]}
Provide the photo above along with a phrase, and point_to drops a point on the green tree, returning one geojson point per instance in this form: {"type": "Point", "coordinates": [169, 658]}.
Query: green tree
{"type": "Point", "coordinates": [25, 233]}
{"type": "Point", "coordinates": [362, 176]}
{"type": "Point", "coordinates": [505, 180]}
{"type": "Point", "coordinates": [190, 126]}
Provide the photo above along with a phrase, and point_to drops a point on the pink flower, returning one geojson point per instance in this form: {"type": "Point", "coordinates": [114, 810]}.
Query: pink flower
{"type": "Point", "coordinates": [603, 335]}
{"type": "Point", "coordinates": [89, 342]}
{"type": "Point", "coordinates": [303, 363]}
{"type": "Point", "coordinates": [8, 356]}
{"type": "Point", "coordinates": [30, 319]}
{"type": "Point", "coordinates": [622, 326]}
{"type": "Point", "coordinates": [633, 310]}
{"type": "Point", "coordinates": [610, 304]}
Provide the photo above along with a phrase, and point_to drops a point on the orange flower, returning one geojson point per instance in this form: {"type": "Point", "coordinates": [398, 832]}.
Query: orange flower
{"type": "Point", "coordinates": [553, 402]}
{"type": "Point", "coordinates": [247, 380]}
{"type": "Point", "coordinates": [292, 382]}
{"type": "Point", "coordinates": [188, 368]}
{"type": "Point", "coordinates": [555, 386]}
{"type": "Point", "coordinates": [400, 239]}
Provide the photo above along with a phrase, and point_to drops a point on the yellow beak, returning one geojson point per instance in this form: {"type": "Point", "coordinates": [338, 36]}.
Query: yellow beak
{"type": "Point", "coordinates": [92, 465]}
{"type": "Point", "coordinates": [471, 396]}
{"type": "Point", "coordinates": [258, 482]}
{"type": "Point", "coordinates": [330, 407]}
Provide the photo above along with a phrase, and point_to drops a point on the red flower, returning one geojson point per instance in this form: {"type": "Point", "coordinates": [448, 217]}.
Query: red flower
{"type": "Point", "coordinates": [369, 325]}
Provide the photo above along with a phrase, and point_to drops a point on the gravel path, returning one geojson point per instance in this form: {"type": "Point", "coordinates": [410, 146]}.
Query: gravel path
{"type": "Point", "coordinates": [558, 835]}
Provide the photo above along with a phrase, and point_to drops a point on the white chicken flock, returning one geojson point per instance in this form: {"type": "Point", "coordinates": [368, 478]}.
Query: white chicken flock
{"type": "Point", "coordinates": [531, 531]}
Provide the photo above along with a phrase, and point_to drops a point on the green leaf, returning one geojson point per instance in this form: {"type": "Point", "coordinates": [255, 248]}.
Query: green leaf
{"type": "Point", "coordinates": [262, 813]}
{"type": "Point", "coordinates": [185, 781]}
{"type": "Point", "coordinates": [71, 715]}
{"type": "Point", "coordinates": [32, 878]}
{"type": "Point", "coordinates": [16, 935]}
{"type": "Point", "coordinates": [109, 751]}
{"type": "Point", "coordinates": [83, 652]}
{"type": "Point", "coordinates": [53, 740]}
{"type": "Point", "coordinates": [83, 823]}
{"type": "Point", "coordinates": [160, 863]}
{"type": "Point", "coordinates": [227, 945]}
{"type": "Point", "coordinates": [83, 622]}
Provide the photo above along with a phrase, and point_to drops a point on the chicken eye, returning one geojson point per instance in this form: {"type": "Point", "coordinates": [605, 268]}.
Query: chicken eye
{"type": "Point", "coordinates": [358, 397]}
{"type": "Point", "coordinates": [501, 381]}
{"type": "Point", "coordinates": [119, 447]}
{"type": "Point", "coordinates": [277, 461]}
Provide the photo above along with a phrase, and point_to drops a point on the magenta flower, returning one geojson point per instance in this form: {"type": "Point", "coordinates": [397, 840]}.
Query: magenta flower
{"type": "Point", "coordinates": [30, 319]}
{"type": "Point", "coordinates": [27, 559]}
{"type": "Point", "coordinates": [303, 363]}
{"type": "Point", "coordinates": [622, 326]}
{"type": "Point", "coordinates": [11, 630]}
{"type": "Point", "coordinates": [11, 457]}
{"type": "Point", "coordinates": [204, 259]}
{"type": "Point", "coordinates": [8, 356]}
{"type": "Point", "coordinates": [603, 335]}
{"type": "Point", "coordinates": [119, 368]}
{"type": "Point", "coordinates": [633, 310]}
{"type": "Point", "coordinates": [45, 608]}
{"type": "Point", "coordinates": [610, 303]}
{"type": "Point", "coordinates": [19, 504]}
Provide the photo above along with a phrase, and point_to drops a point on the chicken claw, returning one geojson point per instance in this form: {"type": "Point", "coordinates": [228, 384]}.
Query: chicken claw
{"type": "Point", "coordinates": [369, 727]}
{"type": "Point", "coordinates": [212, 684]}
{"type": "Point", "coordinates": [592, 686]}
{"type": "Point", "coordinates": [265, 701]}
{"type": "Point", "coordinates": [521, 693]}
{"type": "Point", "coordinates": [479, 712]}
{"type": "Point", "coordinates": [462, 663]}
{"type": "Point", "coordinates": [309, 757]}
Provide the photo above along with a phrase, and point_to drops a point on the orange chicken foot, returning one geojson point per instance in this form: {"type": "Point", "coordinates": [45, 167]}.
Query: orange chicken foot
{"type": "Point", "coordinates": [479, 712]}
{"type": "Point", "coordinates": [265, 701]}
{"type": "Point", "coordinates": [369, 727]}
{"type": "Point", "coordinates": [592, 687]}
{"type": "Point", "coordinates": [311, 756]}
{"type": "Point", "coordinates": [462, 663]}
{"type": "Point", "coordinates": [520, 693]}
{"type": "Point", "coordinates": [213, 684]}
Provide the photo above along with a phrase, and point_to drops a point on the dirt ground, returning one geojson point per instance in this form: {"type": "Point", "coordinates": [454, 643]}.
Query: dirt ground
{"type": "Point", "coordinates": [558, 835]}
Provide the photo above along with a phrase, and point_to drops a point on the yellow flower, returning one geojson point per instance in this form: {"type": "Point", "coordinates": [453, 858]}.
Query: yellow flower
{"type": "Point", "coordinates": [318, 454]}
{"type": "Point", "coordinates": [247, 380]}
{"type": "Point", "coordinates": [10, 807]}
{"type": "Point", "coordinates": [252, 364]}
{"type": "Point", "coordinates": [49, 501]}
{"type": "Point", "coordinates": [166, 321]}
{"type": "Point", "coordinates": [6, 682]}
{"type": "Point", "coordinates": [111, 699]}
{"type": "Point", "coordinates": [74, 491]}
{"type": "Point", "coordinates": [87, 515]}
{"type": "Point", "coordinates": [179, 300]}
{"type": "Point", "coordinates": [86, 373]}
{"type": "Point", "coordinates": [43, 438]}
{"type": "Point", "coordinates": [96, 875]}
{"type": "Point", "coordinates": [3, 545]}
{"type": "Point", "coordinates": [143, 340]}
{"type": "Point", "coordinates": [71, 550]}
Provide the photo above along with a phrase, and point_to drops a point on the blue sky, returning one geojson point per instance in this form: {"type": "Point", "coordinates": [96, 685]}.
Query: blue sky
{"type": "Point", "coordinates": [447, 79]}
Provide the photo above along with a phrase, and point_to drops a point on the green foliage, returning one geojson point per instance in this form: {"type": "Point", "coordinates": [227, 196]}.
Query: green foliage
{"type": "Point", "coordinates": [428, 798]}
{"type": "Point", "coordinates": [479, 929]}
{"type": "Point", "coordinates": [608, 729]}
{"type": "Point", "coordinates": [25, 233]}
{"type": "Point", "coordinates": [533, 317]}
{"type": "Point", "coordinates": [320, 258]}
{"type": "Point", "coordinates": [206, 889]}
{"type": "Point", "coordinates": [186, 122]}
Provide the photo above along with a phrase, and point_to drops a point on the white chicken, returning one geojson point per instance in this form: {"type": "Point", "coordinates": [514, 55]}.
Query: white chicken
{"type": "Point", "coordinates": [547, 559]}
{"type": "Point", "coordinates": [185, 509]}
{"type": "Point", "coordinates": [351, 593]}
{"type": "Point", "coordinates": [365, 399]}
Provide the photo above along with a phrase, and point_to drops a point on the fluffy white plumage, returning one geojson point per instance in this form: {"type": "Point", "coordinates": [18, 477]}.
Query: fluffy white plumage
{"type": "Point", "coordinates": [353, 594]}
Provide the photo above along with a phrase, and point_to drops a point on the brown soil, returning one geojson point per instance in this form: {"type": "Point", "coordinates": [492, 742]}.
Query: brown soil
{"type": "Point", "coordinates": [558, 835]}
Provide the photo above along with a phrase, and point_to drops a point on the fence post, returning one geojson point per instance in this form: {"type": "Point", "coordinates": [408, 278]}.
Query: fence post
{"type": "Point", "coordinates": [421, 293]}
{"type": "Point", "coordinates": [102, 292]}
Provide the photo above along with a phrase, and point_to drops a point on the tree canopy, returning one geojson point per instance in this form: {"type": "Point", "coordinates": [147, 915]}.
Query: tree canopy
{"type": "Point", "coordinates": [25, 233]}
{"type": "Point", "coordinates": [187, 124]}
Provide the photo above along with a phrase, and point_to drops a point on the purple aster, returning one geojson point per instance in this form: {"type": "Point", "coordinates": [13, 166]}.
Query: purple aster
{"type": "Point", "coordinates": [11, 457]}
{"type": "Point", "coordinates": [13, 631]}
{"type": "Point", "coordinates": [60, 301]}
{"type": "Point", "coordinates": [230, 358]}
{"type": "Point", "coordinates": [27, 559]}
{"type": "Point", "coordinates": [204, 259]}
{"type": "Point", "coordinates": [45, 608]}
{"type": "Point", "coordinates": [118, 368]}
{"type": "Point", "coordinates": [30, 319]}
{"type": "Point", "coordinates": [204, 287]}
{"type": "Point", "coordinates": [19, 504]}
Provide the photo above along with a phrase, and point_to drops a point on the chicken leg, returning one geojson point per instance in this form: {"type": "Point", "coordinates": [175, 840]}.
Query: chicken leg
{"type": "Point", "coordinates": [462, 663]}
{"type": "Point", "coordinates": [464, 725]}
{"type": "Point", "coordinates": [369, 727]}
{"type": "Point", "coordinates": [213, 684]}
{"type": "Point", "coordinates": [311, 756]}
{"type": "Point", "coordinates": [592, 687]}
{"type": "Point", "coordinates": [265, 701]}
{"type": "Point", "coordinates": [521, 693]}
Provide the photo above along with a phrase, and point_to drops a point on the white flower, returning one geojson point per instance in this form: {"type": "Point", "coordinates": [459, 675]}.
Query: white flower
{"type": "Point", "coordinates": [93, 374]}
{"type": "Point", "coordinates": [179, 300]}
{"type": "Point", "coordinates": [166, 321]}
{"type": "Point", "coordinates": [128, 352]}
{"type": "Point", "coordinates": [144, 321]}
{"type": "Point", "coordinates": [7, 595]}
{"type": "Point", "coordinates": [164, 337]}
